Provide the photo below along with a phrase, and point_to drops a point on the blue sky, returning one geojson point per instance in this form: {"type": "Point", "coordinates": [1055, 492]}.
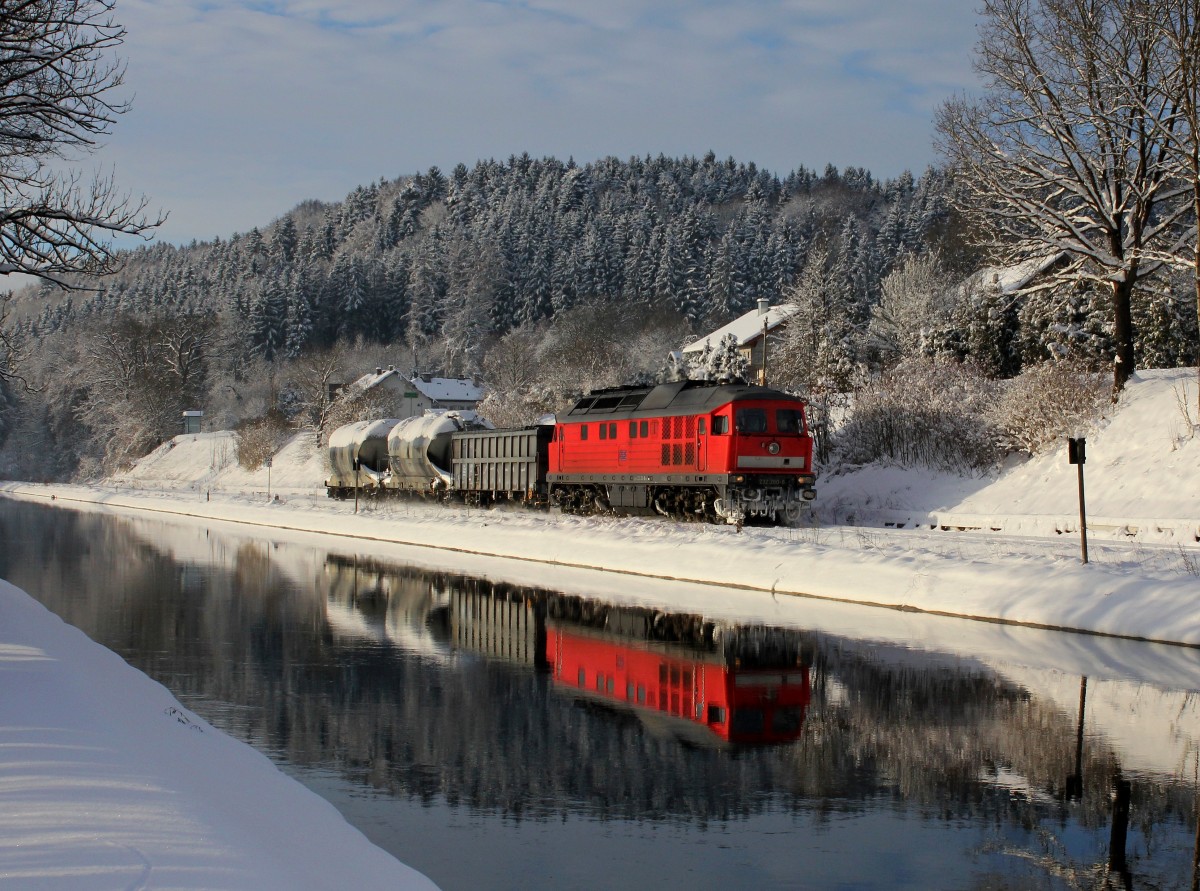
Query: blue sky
{"type": "Point", "coordinates": [243, 108]}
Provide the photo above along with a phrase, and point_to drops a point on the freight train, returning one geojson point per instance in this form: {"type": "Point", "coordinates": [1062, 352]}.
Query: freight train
{"type": "Point", "coordinates": [696, 450]}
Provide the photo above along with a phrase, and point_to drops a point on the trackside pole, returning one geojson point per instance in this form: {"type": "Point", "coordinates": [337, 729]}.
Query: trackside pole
{"type": "Point", "coordinates": [1077, 455]}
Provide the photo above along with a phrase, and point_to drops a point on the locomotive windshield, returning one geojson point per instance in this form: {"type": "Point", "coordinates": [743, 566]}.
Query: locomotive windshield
{"type": "Point", "coordinates": [751, 420]}
{"type": "Point", "coordinates": [789, 420]}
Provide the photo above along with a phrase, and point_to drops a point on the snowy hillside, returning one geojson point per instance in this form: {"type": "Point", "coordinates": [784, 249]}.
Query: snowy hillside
{"type": "Point", "coordinates": [1141, 478]}
{"type": "Point", "coordinates": [208, 462]}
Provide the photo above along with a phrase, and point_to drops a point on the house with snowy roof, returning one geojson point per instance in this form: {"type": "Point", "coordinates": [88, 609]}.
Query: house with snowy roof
{"type": "Point", "coordinates": [413, 395]}
{"type": "Point", "coordinates": [1012, 279]}
{"type": "Point", "coordinates": [754, 333]}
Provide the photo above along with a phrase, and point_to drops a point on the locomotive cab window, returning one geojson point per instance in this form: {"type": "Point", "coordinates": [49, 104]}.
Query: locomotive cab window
{"type": "Point", "coordinates": [604, 431]}
{"type": "Point", "coordinates": [789, 420]}
{"type": "Point", "coordinates": [583, 431]}
{"type": "Point", "coordinates": [720, 425]}
{"type": "Point", "coordinates": [751, 420]}
{"type": "Point", "coordinates": [644, 429]}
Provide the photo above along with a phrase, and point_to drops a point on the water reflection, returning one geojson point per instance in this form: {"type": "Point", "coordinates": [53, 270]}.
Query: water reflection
{"type": "Point", "coordinates": [533, 708]}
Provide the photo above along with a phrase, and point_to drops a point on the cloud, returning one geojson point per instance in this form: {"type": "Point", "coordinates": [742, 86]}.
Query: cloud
{"type": "Point", "coordinates": [242, 109]}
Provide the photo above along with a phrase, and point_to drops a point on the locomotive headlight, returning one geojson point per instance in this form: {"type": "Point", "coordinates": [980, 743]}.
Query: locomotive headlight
{"type": "Point", "coordinates": [773, 448]}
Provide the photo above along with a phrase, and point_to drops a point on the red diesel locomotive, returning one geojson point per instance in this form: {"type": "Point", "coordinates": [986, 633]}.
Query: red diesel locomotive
{"type": "Point", "coordinates": [685, 449]}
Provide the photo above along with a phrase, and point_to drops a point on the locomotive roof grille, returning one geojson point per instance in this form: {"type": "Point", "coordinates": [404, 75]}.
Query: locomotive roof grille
{"type": "Point", "coordinates": [678, 397]}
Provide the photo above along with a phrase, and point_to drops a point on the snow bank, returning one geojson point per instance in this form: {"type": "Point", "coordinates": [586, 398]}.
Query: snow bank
{"type": "Point", "coordinates": [108, 782]}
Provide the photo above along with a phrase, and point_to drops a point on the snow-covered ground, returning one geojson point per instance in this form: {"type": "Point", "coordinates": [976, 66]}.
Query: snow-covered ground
{"type": "Point", "coordinates": [107, 773]}
{"type": "Point", "coordinates": [109, 783]}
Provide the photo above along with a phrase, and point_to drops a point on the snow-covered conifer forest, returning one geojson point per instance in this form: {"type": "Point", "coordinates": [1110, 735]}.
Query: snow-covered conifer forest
{"type": "Point", "coordinates": [543, 278]}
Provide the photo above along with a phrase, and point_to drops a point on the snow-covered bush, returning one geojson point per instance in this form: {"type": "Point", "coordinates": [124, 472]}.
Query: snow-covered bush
{"type": "Point", "coordinates": [374, 404]}
{"type": "Point", "coordinates": [521, 408]}
{"type": "Point", "coordinates": [922, 412]}
{"type": "Point", "coordinates": [1047, 403]}
{"type": "Point", "coordinates": [915, 299]}
{"type": "Point", "coordinates": [259, 438]}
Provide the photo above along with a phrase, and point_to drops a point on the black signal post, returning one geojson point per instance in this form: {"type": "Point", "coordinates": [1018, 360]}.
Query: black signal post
{"type": "Point", "coordinates": [1077, 455]}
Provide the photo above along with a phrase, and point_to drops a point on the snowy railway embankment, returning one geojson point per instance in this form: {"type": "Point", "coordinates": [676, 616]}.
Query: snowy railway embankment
{"type": "Point", "coordinates": [881, 540]}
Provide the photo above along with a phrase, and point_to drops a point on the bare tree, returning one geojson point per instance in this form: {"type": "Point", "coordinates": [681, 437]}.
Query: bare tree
{"type": "Point", "coordinates": [13, 347]}
{"type": "Point", "coordinates": [1178, 24]}
{"type": "Point", "coordinates": [1065, 154]}
{"type": "Point", "coordinates": [184, 344]}
{"type": "Point", "coordinates": [916, 298]}
{"type": "Point", "coordinates": [314, 377]}
{"type": "Point", "coordinates": [57, 100]}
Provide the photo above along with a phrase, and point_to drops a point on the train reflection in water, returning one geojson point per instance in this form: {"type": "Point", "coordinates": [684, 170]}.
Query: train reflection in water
{"type": "Point", "coordinates": [680, 675]}
{"type": "Point", "coordinates": [704, 683]}
{"type": "Point", "coordinates": [693, 694]}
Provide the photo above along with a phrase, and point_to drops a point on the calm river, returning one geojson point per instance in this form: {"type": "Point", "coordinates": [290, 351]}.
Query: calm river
{"type": "Point", "coordinates": [499, 736]}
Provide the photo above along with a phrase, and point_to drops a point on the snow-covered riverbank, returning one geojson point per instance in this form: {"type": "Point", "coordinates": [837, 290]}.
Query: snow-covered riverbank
{"type": "Point", "coordinates": [108, 783]}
